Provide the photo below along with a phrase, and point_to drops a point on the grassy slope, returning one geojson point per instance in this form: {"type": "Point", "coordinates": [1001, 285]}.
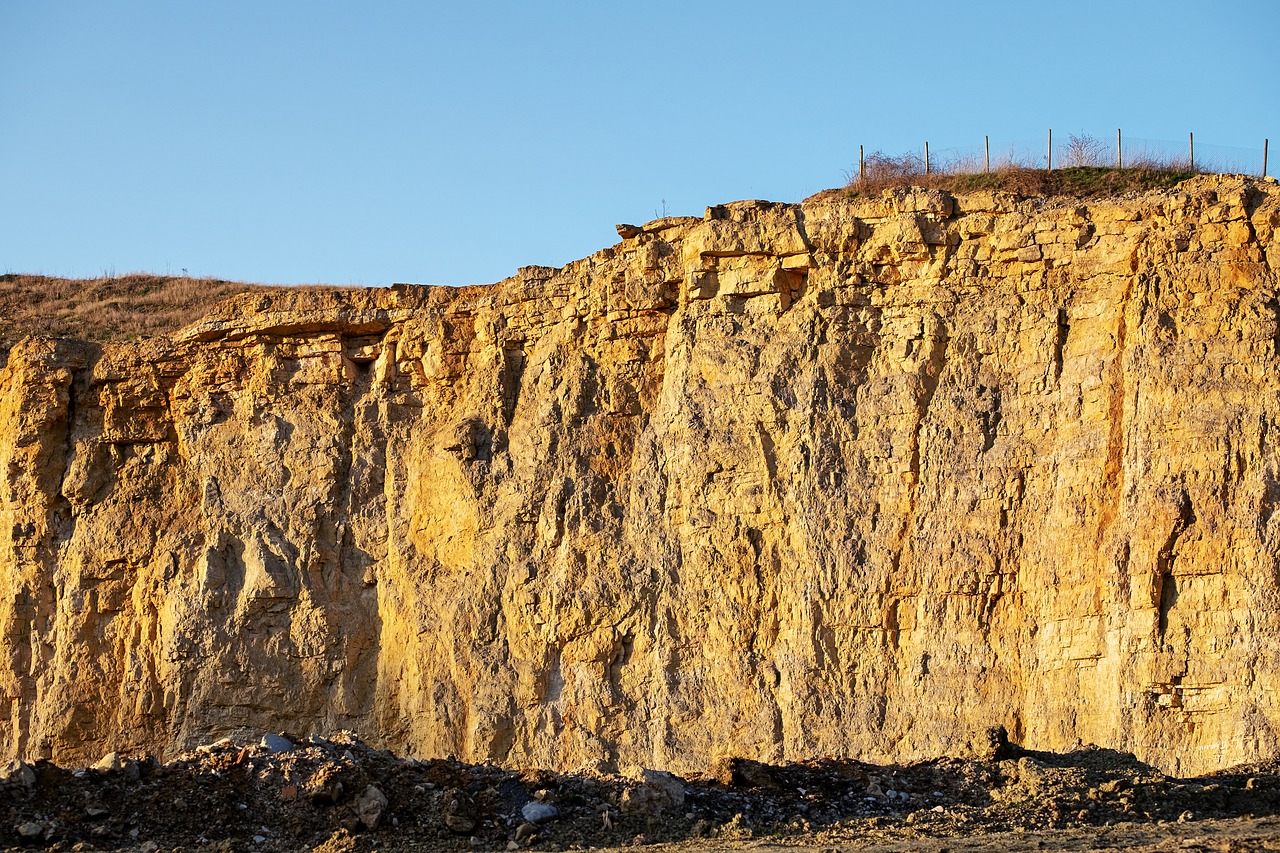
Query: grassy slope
{"type": "Point", "coordinates": [105, 309]}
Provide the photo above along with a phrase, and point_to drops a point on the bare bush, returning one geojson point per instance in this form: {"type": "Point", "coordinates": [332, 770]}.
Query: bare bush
{"type": "Point", "coordinates": [880, 167]}
{"type": "Point", "coordinates": [1084, 150]}
{"type": "Point", "coordinates": [880, 171]}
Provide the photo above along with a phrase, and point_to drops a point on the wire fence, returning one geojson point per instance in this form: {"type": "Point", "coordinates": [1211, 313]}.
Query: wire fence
{"type": "Point", "coordinates": [1068, 150]}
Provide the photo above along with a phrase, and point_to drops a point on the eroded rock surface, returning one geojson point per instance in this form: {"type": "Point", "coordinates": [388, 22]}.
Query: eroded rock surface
{"type": "Point", "coordinates": [851, 478]}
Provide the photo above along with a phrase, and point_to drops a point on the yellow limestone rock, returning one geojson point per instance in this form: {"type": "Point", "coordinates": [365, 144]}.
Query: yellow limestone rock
{"type": "Point", "coordinates": [850, 478]}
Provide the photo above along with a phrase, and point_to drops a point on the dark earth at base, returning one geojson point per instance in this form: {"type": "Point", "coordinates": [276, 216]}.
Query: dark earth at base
{"type": "Point", "coordinates": [342, 795]}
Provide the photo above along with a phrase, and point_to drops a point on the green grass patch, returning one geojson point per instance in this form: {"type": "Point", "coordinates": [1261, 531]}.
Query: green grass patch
{"type": "Point", "coordinates": [1071, 181]}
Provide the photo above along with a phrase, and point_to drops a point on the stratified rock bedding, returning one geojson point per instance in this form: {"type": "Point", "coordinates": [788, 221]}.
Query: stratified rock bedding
{"type": "Point", "coordinates": [851, 478]}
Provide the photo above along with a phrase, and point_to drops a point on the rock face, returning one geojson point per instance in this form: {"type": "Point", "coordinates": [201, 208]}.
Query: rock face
{"type": "Point", "coordinates": [853, 477]}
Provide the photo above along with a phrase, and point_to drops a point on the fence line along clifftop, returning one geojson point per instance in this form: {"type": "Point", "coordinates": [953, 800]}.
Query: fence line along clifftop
{"type": "Point", "coordinates": [1080, 151]}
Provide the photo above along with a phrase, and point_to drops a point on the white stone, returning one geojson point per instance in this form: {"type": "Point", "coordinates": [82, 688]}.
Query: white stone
{"type": "Point", "coordinates": [536, 812]}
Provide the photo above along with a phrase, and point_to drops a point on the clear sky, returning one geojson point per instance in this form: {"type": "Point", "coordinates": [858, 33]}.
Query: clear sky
{"type": "Point", "coordinates": [451, 143]}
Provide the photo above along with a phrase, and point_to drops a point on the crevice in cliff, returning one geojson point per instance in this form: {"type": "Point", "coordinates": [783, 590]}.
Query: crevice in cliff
{"type": "Point", "coordinates": [1168, 598]}
{"type": "Point", "coordinates": [1269, 500]}
{"type": "Point", "coordinates": [769, 451]}
{"type": "Point", "coordinates": [77, 358]}
{"type": "Point", "coordinates": [1124, 581]}
{"type": "Point", "coordinates": [1273, 304]}
{"type": "Point", "coordinates": [989, 416]}
{"type": "Point", "coordinates": [930, 377]}
{"type": "Point", "coordinates": [1113, 468]}
{"type": "Point", "coordinates": [1167, 592]}
{"type": "Point", "coordinates": [1060, 343]}
{"type": "Point", "coordinates": [511, 380]}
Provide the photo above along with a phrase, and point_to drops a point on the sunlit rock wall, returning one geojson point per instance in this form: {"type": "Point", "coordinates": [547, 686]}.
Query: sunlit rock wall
{"type": "Point", "coordinates": [850, 478]}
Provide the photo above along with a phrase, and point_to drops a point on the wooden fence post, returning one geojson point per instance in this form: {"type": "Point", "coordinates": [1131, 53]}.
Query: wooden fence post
{"type": "Point", "coordinates": [1264, 157]}
{"type": "Point", "coordinates": [1119, 155]}
{"type": "Point", "coordinates": [986, 145]}
{"type": "Point", "coordinates": [1191, 141]}
{"type": "Point", "coordinates": [862, 176]}
{"type": "Point", "coordinates": [1049, 157]}
{"type": "Point", "coordinates": [926, 156]}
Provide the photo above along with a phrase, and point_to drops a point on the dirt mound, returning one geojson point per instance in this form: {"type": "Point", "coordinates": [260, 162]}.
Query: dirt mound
{"type": "Point", "coordinates": [341, 794]}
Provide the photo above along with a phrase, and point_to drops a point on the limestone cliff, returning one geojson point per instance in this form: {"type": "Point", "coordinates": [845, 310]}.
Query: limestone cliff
{"type": "Point", "coordinates": [850, 477]}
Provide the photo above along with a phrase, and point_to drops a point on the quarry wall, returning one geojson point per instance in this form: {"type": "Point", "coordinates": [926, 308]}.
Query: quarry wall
{"type": "Point", "coordinates": [854, 477]}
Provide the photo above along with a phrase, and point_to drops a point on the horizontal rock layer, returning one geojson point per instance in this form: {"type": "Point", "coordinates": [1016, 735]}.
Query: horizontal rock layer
{"type": "Point", "coordinates": [852, 477]}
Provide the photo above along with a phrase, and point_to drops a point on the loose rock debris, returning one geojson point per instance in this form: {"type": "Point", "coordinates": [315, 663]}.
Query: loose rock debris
{"type": "Point", "coordinates": [342, 795]}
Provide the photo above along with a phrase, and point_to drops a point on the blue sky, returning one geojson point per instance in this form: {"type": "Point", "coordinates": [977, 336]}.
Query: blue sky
{"type": "Point", "coordinates": [370, 143]}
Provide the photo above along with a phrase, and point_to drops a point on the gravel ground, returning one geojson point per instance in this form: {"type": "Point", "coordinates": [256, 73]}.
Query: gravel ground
{"type": "Point", "coordinates": [285, 794]}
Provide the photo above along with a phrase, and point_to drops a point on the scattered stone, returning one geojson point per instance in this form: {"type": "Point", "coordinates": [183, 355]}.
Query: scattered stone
{"type": "Point", "coordinates": [744, 772]}
{"type": "Point", "coordinates": [836, 801]}
{"type": "Point", "coordinates": [20, 772]}
{"type": "Point", "coordinates": [325, 789]}
{"type": "Point", "coordinates": [339, 842]}
{"type": "Point", "coordinates": [108, 762]}
{"type": "Point", "coordinates": [276, 744]}
{"type": "Point", "coordinates": [657, 792]}
{"type": "Point", "coordinates": [997, 746]}
{"type": "Point", "coordinates": [370, 806]}
{"type": "Point", "coordinates": [30, 829]}
{"type": "Point", "coordinates": [458, 811]}
{"type": "Point", "coordinates": [1032, 776]}
{"type": "Point", "coordinates": [536, 812]}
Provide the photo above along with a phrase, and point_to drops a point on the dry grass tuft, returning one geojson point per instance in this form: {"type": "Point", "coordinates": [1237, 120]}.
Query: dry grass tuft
{"type": "Point", "coordinates": [106, 309]}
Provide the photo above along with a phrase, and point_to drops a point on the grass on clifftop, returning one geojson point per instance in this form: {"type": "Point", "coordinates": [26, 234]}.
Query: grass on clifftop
{"type": "Point", "coordinates": [883, 172]}
{"type": "Point", "coordinates": [105, 309]}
